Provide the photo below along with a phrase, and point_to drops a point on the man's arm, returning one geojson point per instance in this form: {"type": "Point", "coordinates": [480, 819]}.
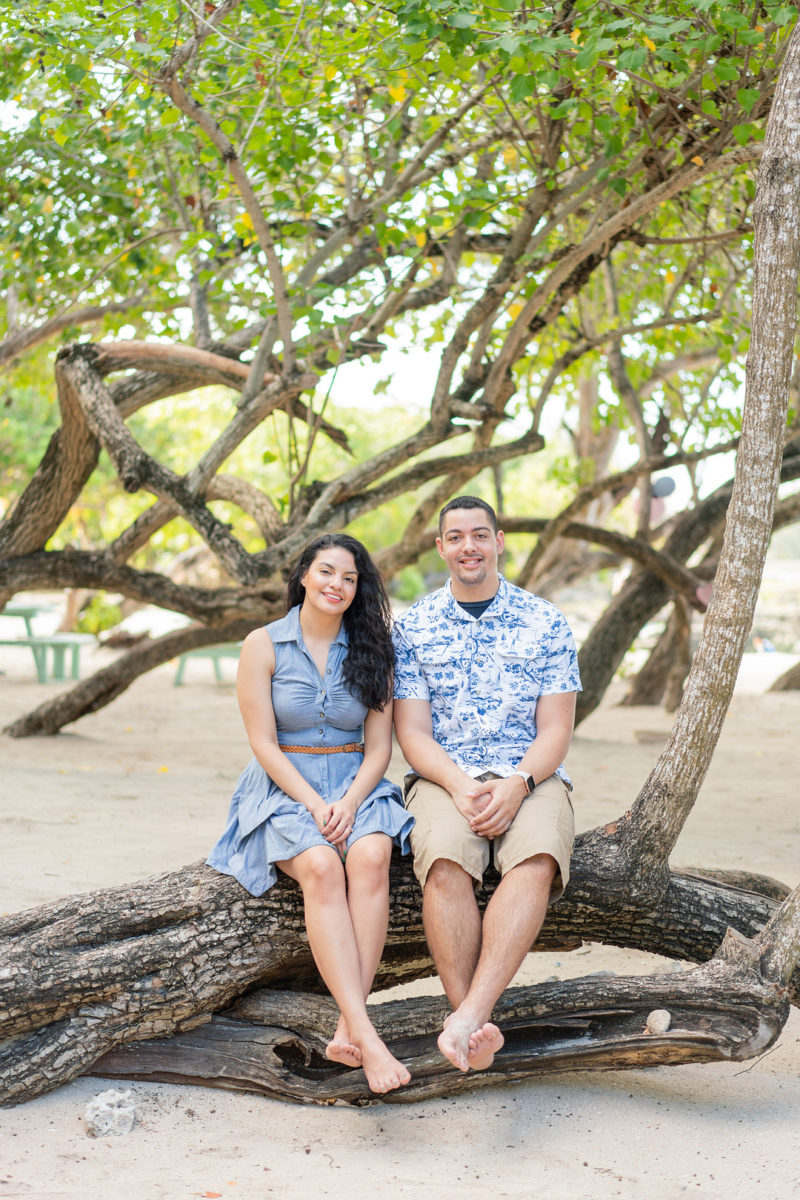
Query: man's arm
{"type": "Point", "coordinates": [412, 719]}
{"type": "Point", "coordinates": [555, 720]}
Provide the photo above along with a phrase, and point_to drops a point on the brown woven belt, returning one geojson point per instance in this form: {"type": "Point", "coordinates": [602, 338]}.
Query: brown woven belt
{"type": "Point", "coordinates": [350, 748]}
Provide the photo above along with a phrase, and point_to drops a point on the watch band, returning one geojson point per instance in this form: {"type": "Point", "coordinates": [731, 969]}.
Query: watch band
{"type": "Point", "coordinates": [529, 781]}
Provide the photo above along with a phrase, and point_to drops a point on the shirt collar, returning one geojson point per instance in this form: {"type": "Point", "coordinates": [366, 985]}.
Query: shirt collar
{"type": "Point", "coordinates": [457, 613]}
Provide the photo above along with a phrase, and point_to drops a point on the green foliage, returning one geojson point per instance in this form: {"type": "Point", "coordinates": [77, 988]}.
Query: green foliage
{"type": "Point", "coordinates": [99, 614]}
{"type": "Point", "coordinates": [111, 197]}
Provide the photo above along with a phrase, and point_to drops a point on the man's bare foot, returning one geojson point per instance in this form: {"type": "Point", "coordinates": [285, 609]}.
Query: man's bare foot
{"type": "Point", "coordinates": [341, 1048]}
{"type": "Point", "coordinates": [483, 1045]}
{"type": "Point", "coordinates": [453, 1041]}
{"type": "Point", "coordinates": [383, 1071]}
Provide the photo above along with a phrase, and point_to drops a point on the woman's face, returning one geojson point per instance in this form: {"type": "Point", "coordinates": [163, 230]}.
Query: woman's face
{"type": "Point", "coordinates": [331, 581]}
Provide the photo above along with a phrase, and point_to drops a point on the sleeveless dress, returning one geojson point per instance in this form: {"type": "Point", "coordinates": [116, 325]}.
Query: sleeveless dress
{"type": "Point", "coordinates": [264, 824]}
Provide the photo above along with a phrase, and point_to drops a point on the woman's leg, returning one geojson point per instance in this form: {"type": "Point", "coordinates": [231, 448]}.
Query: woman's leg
{"type": "Point", "coordinates": [367, 869]}
{"type": "Point", "coordinates": [320, 873]}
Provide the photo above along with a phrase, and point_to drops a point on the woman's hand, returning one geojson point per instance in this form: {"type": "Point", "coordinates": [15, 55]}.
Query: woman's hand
{"type": "Point", "coordinates": [338, 825]}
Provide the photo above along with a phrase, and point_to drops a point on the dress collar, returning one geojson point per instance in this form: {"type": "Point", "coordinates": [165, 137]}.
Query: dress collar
{"type": "Point", "coordinates": [287, 629]}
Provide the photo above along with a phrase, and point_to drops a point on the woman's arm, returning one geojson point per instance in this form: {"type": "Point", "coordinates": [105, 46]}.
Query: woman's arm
{"type": "Point", "coordinates": [254, 693]}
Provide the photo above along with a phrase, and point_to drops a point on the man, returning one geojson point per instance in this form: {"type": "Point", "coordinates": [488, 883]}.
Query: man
{"type": "Point", "coordinates": [485, 685]}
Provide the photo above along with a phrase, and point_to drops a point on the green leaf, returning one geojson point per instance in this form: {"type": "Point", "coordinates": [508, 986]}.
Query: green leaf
{"type": "Point", "coordinates": [632, 59]}
{"type": "Point", "coordinates": [74, 73]}
{"type": "Point", "coordinates": [748, 97]}
{"type": "Point", "coordinates": [743, 133]}
{"type": "Point", "coordinates": [522, 86]}
{"type": "Point", "coordinates": [463, 20]}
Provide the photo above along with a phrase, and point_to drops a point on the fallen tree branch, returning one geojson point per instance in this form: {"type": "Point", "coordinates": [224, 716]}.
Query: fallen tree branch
{"type": "Point", "coordinates": [87, 974]}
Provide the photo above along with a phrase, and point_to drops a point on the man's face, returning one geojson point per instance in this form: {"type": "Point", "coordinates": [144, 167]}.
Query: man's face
{"type": "Point", "coordinates": [470, 547]}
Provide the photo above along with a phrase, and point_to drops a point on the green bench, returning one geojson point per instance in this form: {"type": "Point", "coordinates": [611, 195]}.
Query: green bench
{"type": "Point", "coordinates": [215, 653]}
{"type": "Point", "coordinates": [57, 646]}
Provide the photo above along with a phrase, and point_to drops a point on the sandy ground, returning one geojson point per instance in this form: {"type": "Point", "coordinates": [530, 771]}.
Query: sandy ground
{"type": "Point", "coordinates": [143, 787]}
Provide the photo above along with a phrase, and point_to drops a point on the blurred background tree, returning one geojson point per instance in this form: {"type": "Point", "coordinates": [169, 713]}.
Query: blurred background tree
{"type": "Point", "coordinates": [233, 221]}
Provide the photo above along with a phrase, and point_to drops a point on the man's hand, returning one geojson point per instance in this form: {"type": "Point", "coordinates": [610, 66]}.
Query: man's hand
{"type": "Point", "coordinates": [471, 799]}
{"type": "Point", "coordinates": [505, 798]}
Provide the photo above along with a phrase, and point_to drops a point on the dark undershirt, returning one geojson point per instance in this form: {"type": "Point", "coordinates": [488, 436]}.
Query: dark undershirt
{"type": "Point", "coordinates": [475, 608]}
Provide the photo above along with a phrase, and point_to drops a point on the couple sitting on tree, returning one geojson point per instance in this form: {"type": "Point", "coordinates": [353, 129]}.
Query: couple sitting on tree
{"type": "Point", "coordinates": [484, 677]}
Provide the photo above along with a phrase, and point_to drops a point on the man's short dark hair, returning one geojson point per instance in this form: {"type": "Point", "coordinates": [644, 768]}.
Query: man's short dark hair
{"type": "Point", "coordinates": [468, 502]}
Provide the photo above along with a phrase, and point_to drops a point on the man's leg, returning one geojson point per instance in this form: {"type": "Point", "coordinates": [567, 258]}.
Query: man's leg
{"type": "Point", "coordinates": [448, 858]}
{"type": "Point", "coordinates": [452, 926]}
{"type": "Point", "coordinates": [511, 924]}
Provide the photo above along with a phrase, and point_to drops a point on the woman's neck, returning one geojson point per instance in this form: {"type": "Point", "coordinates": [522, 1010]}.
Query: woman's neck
{"type": "Point", "coordinates": [317, 626]}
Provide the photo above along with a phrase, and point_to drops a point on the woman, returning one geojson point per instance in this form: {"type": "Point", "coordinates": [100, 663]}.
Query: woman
{"type": "Point", "coordinates": [315, 691]}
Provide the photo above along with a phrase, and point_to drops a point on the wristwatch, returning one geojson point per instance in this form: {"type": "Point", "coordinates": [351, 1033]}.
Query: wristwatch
{"type": "Point", "coordinates": [529, 781]}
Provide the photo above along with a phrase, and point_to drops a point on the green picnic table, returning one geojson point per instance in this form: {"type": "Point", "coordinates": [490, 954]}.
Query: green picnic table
{"type": "Point", "coordinates": [50, 651]}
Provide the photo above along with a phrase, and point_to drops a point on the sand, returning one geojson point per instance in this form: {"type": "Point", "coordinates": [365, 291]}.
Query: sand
{"type": "Point", "coordinates": [143, 786]}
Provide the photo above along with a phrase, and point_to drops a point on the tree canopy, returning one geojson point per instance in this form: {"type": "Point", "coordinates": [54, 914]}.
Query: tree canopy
{"type": "Point", "coordinates": [261, 197]}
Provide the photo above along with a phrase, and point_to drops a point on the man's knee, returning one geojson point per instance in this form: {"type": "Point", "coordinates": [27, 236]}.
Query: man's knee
{"type": "Point", "coordinates": [449, 877]}
{"type": "Point", "coordinates": [540, 869]}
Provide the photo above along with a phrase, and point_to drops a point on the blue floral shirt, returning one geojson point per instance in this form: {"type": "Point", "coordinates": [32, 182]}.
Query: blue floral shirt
{"type": "Point", "coordinates": [483, 677]}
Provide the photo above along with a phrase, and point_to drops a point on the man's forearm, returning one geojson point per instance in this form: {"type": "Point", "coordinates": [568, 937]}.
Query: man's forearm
{"type": "Point", "coordinates": [428, 759]}
{"type": "Point", "coordinates": [554, 733]}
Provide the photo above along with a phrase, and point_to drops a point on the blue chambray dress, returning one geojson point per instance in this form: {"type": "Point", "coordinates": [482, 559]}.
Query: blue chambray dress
{"type": "Point", "coordinates": [265, 825]}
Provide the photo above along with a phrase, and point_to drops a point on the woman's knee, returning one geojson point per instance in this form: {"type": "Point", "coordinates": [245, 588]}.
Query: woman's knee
{"type": "Point", "coordinates": [368, 859]}
{"type": "Point", "coordinates": [319, 869]}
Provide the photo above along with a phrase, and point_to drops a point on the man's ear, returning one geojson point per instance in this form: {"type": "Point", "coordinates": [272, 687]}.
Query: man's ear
{"type": "Point", "coordinates": [501, 541]}
{"type": "Point", "coordinates": [439, 546]}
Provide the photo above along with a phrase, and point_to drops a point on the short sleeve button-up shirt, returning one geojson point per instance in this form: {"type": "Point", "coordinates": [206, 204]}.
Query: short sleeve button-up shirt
{"type": "Point", "coordinates": [483, 677]}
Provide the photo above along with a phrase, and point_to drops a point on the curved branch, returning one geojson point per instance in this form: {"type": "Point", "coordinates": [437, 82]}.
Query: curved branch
{"type": "Point", "coordinates": [87, 569]}
{"type": "Point", "coordinates": [105, 685]}
{"type": "Point", "coordinates": [609, 483]}
{"type": "Point", "coordinates": [25, 339]}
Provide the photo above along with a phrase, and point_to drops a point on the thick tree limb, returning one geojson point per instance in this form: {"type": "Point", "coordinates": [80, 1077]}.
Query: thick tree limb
{"type": "Point", "coordinates": [89, 973]}
{"type": "Point", "coordinates": [86, 569]}
{"type": "Point", "coordinates": [274, 1042]}
{"type": "Point", "coordinates": [108, 683]}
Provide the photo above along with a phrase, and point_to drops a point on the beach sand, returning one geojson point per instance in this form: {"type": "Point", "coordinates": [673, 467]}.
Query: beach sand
{"type": "Point", "coordinates": [143, 787]}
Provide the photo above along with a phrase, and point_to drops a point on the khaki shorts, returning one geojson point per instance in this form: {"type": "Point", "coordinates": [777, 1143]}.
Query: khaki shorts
{"type": "Point", "coordinates": [544, 824]}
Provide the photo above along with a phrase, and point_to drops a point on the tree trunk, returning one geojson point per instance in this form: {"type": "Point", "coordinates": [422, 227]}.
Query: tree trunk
{"type": "Point", "coordinates": [789, 681]}
{"type": "Point", "coordinates": [662, 676]}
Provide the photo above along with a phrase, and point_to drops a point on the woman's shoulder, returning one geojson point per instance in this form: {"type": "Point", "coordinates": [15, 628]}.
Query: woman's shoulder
{"type": "Point", "coordinates": [258, 645]}
{"type": "Point", "coordinates": [285, 629]}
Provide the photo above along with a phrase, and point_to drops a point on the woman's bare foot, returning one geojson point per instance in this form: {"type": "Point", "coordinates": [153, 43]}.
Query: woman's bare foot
{"type": "Point", "coordinates": [383, 1071]}
{"type": "Point", "coordinates": [341, 1050]}
{"type": "Point", "coordinates": [483, 1045]}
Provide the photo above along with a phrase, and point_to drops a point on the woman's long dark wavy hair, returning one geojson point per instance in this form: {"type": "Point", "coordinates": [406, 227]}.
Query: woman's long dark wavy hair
{"type": "Point", "coordinates": [369, 665]}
